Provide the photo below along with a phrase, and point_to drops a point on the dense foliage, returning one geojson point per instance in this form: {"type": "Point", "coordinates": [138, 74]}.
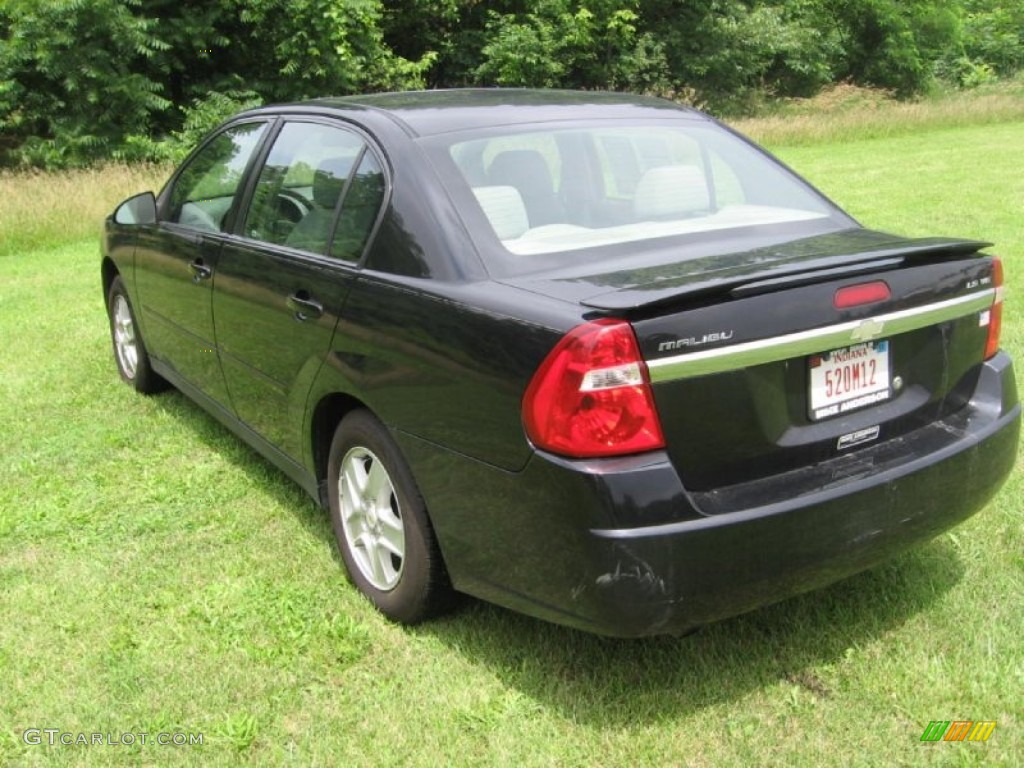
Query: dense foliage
{"type": "Point", "coordinates": [82, 80]}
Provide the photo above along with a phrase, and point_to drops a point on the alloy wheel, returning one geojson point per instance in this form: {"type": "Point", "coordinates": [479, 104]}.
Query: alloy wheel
{"type": "Point", "coordinates": [371, 518]}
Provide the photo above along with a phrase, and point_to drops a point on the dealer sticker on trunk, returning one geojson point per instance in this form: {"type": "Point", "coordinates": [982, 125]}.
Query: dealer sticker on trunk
{"type": "Point", "coordinates": [846, 379]}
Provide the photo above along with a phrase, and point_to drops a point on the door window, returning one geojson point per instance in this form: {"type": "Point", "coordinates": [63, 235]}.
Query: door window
{"type": "Point", "coordinates": [311, 171]}
{"type": "Point", "coordinates": [206, 186]}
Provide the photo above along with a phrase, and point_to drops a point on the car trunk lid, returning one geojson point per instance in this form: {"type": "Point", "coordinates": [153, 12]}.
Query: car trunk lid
{"type": "Point", "coordinates": [757, 368]}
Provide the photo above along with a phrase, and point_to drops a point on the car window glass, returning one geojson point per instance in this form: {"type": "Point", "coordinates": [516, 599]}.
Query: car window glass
{"type": "Point", "coordinates": [205, 188]}
{"type": "Point", "coordinates": [359, 209]}
{"type": "Point", "coordinates": [552, 191]}
{"type": "Point", "coordinates": [508, 158]}
{"type": "Point", "coordinates": [621, 163]}
{"type": "Point", "coordinates": [728, 187]}
{"type": "Point", "coordinates": [625, 157]}
{"type": "Point", "coordinates": [301, 184]}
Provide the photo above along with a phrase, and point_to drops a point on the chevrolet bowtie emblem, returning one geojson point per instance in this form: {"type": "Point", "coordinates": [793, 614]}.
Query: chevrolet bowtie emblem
{"type": "Point", "coordinates": [867, 330]}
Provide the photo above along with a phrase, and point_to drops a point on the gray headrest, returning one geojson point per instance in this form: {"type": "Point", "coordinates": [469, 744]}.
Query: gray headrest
{"type": "Point", "coordinates": [504, 209]}
{"type": "Point", "coordinates": [670, 190]}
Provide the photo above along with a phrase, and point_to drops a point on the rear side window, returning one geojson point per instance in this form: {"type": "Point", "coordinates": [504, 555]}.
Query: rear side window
{"type": "Point", "coordinates": [300, 187]}
{"type": "Point", "coordinates": [205, 189]}
{"type": "Point", "coordinates": [359, 209]}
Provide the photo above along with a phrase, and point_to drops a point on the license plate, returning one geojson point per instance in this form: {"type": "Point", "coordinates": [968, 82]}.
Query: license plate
{"type": "Point", "coordinates": [846, 379]}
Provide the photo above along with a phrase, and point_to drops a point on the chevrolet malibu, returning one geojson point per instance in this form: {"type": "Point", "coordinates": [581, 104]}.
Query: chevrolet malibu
{"type": "Point", "coordinates": [593, 357]}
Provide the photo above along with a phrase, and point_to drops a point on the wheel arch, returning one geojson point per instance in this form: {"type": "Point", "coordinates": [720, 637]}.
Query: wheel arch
{"type": "Point", "coordinates": [326, 416]}
{"type": "Point", "coordinates": [108, 271]}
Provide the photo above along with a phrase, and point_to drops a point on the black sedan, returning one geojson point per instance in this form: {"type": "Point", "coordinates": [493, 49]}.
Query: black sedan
{"type": "Point", "coordinates": [593, 357]}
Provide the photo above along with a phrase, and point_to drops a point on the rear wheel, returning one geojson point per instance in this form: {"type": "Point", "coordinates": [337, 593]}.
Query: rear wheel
{"type": "Point", "coordinates": [129, 350]}
{"type": "Point", "coordinates": [381, 524]}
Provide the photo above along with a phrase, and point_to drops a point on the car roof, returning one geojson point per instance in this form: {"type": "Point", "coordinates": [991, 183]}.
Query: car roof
{"type": "Point", "coordinates": [425, 113]}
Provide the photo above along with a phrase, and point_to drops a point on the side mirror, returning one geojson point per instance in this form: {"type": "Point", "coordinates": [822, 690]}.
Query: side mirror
{"type": "Point", "coordinates": [140, 209]}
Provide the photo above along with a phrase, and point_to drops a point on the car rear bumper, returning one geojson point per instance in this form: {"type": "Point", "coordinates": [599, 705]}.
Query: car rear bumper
{"type": "Point", "coordinates": [587, 543]}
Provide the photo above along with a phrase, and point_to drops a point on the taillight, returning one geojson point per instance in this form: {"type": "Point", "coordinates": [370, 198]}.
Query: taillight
{"type": "Point", "coordinates": [995, 313]}
{"type": "Point", "coordinates": [592, 396]}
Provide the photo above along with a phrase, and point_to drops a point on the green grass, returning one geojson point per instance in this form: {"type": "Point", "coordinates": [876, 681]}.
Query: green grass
{"type": "Point", "coordinates": [155, 575]}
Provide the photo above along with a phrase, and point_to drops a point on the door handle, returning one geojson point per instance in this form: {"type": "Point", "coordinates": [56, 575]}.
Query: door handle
{"type": "Point", "coordinates": [304, 306]}
{"type": "Point", "coordinates": [199, 271]}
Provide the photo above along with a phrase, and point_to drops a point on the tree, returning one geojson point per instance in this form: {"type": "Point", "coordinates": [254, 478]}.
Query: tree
{"type": "Point", "coordinates": [82, 80]}
{"type": "Point", "coordinates": [73, 75]}
{"type": "Point", "coordinates": [559, 43]}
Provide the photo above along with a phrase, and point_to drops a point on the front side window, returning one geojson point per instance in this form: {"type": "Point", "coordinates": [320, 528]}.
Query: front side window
{"type": "Point", "coordinates": [206, 187]}
{"type": "Point", "coordinates": [545, 191]}
{"type": "Point", "coordinates": [312, 171]}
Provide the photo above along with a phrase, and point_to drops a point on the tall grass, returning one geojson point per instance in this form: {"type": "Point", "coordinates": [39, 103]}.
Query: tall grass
{"type": "Point", "coordinates": [846, 112]}
{"type": "Point", "coordinates": [40, 209]}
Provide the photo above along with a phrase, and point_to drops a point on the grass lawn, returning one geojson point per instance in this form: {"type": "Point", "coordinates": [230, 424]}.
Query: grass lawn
{"type": "Point", "coordinates": [157, 577]}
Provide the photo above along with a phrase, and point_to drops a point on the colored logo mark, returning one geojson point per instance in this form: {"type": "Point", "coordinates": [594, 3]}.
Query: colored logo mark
{"type": "Point", "coordinates": [958, 730]}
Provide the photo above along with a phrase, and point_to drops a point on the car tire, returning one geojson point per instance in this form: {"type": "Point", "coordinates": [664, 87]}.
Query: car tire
{"type": "Point", "coordinates": [381, 524]}
{"type": "Point", "coordinates": [129, 350]}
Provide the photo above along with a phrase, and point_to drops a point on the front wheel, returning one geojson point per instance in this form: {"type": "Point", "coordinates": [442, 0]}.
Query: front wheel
{"type": "Point", "coordinates": [129, 350]}
{"type": "Point", "coordinates": [381, 523]}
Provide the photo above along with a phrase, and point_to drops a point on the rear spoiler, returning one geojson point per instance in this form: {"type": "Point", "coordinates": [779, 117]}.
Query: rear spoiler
{"type": "Point", "coordinates": [754, 272]}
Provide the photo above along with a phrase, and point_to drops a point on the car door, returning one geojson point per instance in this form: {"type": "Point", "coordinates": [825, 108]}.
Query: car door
{"type": "Point", "coordinates": [282, 281]}
{"type": "Point", "coordinates": [176, 260]}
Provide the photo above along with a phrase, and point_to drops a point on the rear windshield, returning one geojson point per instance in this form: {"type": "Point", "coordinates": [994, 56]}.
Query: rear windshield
{"type": "Point", "coordinates": [558, 192]}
